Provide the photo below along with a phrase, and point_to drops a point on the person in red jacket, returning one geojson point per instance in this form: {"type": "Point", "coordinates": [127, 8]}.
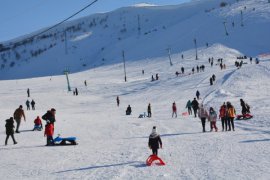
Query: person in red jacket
{"type": "Point", "coordinates": [174, 109]}
{"type": "Point", "coordinates": [49, 133]}
{"type": "Point", "coordinates": [38, 124]}
{"type": "Point", "coordinates": [222, 116]}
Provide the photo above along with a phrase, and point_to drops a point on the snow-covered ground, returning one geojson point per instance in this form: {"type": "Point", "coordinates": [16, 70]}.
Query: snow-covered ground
{"type": "Point", "coordinates": [114, 146]}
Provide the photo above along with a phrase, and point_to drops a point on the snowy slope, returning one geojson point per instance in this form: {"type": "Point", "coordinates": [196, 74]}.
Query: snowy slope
{"type": "Point", "coordinates": [99, 39]}
{"type": "Point", "coordinates": [114, 146]}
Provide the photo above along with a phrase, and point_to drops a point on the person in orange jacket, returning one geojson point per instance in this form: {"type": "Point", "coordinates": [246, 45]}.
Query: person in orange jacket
{"type": "Point", "coordinates": [230, 115]}
{"type": "Point", "coordinates": [49, 133]}
{"type": "Point", "coordinates": [222, 116]}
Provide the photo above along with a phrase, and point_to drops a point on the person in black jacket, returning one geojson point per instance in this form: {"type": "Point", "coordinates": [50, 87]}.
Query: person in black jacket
{"type": "Point", "coordinates": [128, 111]}
{"type": "Point", "coordinates": [50, 116]}
{"type": "Point", "coordinates": [195, 106]}
{"type": "Point", "coordinates": [245, 107]}
{"type": "Point", "coordinates": [154, 141]}
{"type": "Point", "coordinates": [33, 104]}
{"type": "Point", "coordinates": [10, 130]}
{"type": "Point", "coordinates": [149, 110]}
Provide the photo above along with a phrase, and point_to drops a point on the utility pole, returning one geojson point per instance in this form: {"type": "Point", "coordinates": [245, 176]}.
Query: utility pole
{"type": "Point", "coordinates": [65, 32]}
{"type": "Point", "coordinates": [66, 73]}
{"type": "Point", "coordinates": [224, 23]}
{"type": "Point", "coordinates": [169, 54]}
{"type": "Point", "coordinates": [242, 24]}
{"type": "Point", "coordinates": [195, 43]}
{"type": "Point", "coordinates": [124, 62]}
{"type": "Point", "coordinates": [139, 25]}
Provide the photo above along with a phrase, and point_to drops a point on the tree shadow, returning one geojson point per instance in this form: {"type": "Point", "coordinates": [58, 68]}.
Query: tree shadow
{"type": "Point", "coordinates": [31, 130]}
{"type": "Point", "coordinates": [97, 167]}
{"type": "Point", "coordinates": [257, 140]}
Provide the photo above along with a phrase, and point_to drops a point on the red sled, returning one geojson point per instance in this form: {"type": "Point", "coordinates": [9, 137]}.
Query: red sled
{"type": "Point", "coordinates": [244, 117]}
{"type": "Point", "coordinates": [153, 158]}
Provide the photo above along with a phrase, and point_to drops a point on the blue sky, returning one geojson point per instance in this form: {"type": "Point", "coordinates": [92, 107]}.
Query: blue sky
{"type": "Point", "coordinates": [20, 17]}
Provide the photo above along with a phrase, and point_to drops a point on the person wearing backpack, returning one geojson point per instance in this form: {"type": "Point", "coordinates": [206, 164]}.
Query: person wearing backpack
{"type": "Point", "coordinates": [10, 130]}
{"type": "Point", "coordinates": [230, 115]}
{"type": "Point", "coordinates": [222, 116]}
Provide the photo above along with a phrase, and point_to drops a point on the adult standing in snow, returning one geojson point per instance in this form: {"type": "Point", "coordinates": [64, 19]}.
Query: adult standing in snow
{"type": "Point", "coordinates": [18, 114]}
{"type": "Point", "coordinates": [211, 81]}
{"type": "Point", "coordinates": [157, 77]}
{"type": "Point", "coordinates": [149, 110]}
{"type": "Point", "coordinates": [174, 110]}
{"type": "Point", "coordinates": [195, 106]}
{"type": "Point", "coordinates": [222, 116]}
{"type": "Point", "coordinates": [28, 92]}
{"type": "Point", "coordinates": [192, 70]}
{"type": "Point", "coordinates": [203, 114]}
{"type": "Point", "coordinates": [213, 119]}
{"type": "Point", "coordinates": [10, 130]}
{"type": "Point", "coordinates": [76, 92]}
{"type": "Point", "coordinates": [182, 70]}
{"type": "Point", "coordinates": [50, 116]}
{"type": "Point", "coordinates": [189, 106]}
{"type": "Point", "coordinates": [153, 79]}
{"type": "Point", "coordinates": [85, 83]}
{"type": "Point", "coordinates": [154, 141]}
{"type": "Point", "coordinates": [118, 101]}
{"type": "Point", "coordinates": [33, 104]}
{"type": "Point", "coordinates": [198, 94]}
{"type": "Point", "coordinates": [27, 104]}
{"type": "Point", "coordinates": [214, 77]}
{"type": "Point", "coordinates": [230, 115]}
{"type": "Point", "coordinates": [128, 111]}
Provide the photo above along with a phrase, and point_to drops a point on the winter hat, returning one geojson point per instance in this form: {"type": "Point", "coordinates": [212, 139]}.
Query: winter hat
{"type": "Point", "coordinates": [21, 106]}
{"type": "Point", "coordinates": [53, 109]}
{"type": "Point", "coordinates": [154, 130]}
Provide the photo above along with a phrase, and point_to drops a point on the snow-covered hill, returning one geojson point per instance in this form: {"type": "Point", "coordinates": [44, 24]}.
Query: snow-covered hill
{"type": "Point", "coordinates": [114, 146]}
{"type": "Point", "coordinates": [142, 32]}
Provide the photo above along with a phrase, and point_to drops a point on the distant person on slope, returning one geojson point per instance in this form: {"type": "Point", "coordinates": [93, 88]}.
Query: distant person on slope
{"type": "Point", "coordinates": [174, 110]}
{"type": "Point", "coordinates": [203, 114]}
{"type": "Point", "coordinates": [154, 141]}
{"type": "Point", "coordinates": [118, 101]}
{"type": "Point", "coordinates": [18, 114]}
{"type": "Point", "coordinates": [149, 110]}
{"type": "Point", "coordinates": [128, 111]}
{"type": "Point", "coordinates": [189, 106]}
{"type": "Point", "coordinates": [27, 104]}
{"type": "Point", "coordinates": [28, 92]}
{"type": "Point", "coordinates": [33, 104]}
{"type": "Point", "coordinates": [198, 94]}
{"type": "Point", "coordinates": [195, 106]}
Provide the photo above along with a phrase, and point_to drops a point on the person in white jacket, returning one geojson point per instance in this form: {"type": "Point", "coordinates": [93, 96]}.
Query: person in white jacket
{"type": "Point", "coordinates": [203, 114]}
{"type": "Point", "coordinates": [213, 119]}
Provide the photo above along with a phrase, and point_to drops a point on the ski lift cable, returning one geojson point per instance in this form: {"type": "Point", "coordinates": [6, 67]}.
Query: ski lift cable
{"type": "Point", "coordinates": [61, 22]}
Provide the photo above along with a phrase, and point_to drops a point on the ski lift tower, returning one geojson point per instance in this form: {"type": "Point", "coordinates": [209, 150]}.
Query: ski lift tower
{"type": "Point", "coordinates": [66, 71]}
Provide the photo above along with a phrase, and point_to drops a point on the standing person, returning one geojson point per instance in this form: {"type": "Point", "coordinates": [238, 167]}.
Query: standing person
{"type": "Point", "coordinates": [49, 130]}
{"type": "Point", "coordinates": [198, 94]}
{"type": "Point", "coordinates": [198, 69]}
{"type": "Point", "coordinates": [28, 92]}
{"type": "Point", "coordinates": [154, 141]}
{"type": "Point", "coordinates": [203, 114]}
{"type": "Point", "coordinates": [128, 111]}
{"type": "Point", "coordinates": [33, 104]}
{"type": "Point", "coordinates": [195, 106]}
{"type": "Point", "coordinates": [10, 130]}
{"type": "Point", "coordinates": [18, 114]}
{"type": "Point", "coordinates": [222, 116]}
{"type": "Point", "coordinates": [157, 77]}
{"type": "Point", "coordinates": [85, 83]}
{"type": "Point", "coordinates": [214, 77]}
{"type": "Point", "coordinates": [231, 115]}
{"type": "Point", "coordinates": [213, 119]}
{"type": "Point", "coordinates": [174, 110]}
{"type": "Point", "coordinates": [149, 110]}
{"type": "Point", "coordinates": [153, 79]}
{"type": "Point", "coordinates": [50, 116]}
{"type": "Point", "coordinates": [189, 106]}
{"type": "Point", "coordinates": [27, 104]}
{"type": "Point", "coordinates": [76, 92]}
{"type": "Point", "coordinates": [192, 70]}
{"type": "Point", "coordinates": [117, 101]}
{"type": "Point", "coordinates": [142, 72]}
{"type": "Point", "coordinates": [182, 70]}
{"type": "Point", "coordinates": [211, 81]}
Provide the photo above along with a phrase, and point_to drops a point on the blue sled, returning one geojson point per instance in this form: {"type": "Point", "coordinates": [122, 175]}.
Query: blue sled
{"type": "Point", "coordinates": [65, 141]}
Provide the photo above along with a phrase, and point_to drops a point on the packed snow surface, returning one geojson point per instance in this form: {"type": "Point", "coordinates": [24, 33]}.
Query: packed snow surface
{"type": "Point", "coordinates": [114, 146]}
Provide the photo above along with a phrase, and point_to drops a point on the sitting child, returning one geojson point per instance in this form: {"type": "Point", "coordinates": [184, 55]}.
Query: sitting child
{"type": "Point", "coordinates": [38, 124]}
